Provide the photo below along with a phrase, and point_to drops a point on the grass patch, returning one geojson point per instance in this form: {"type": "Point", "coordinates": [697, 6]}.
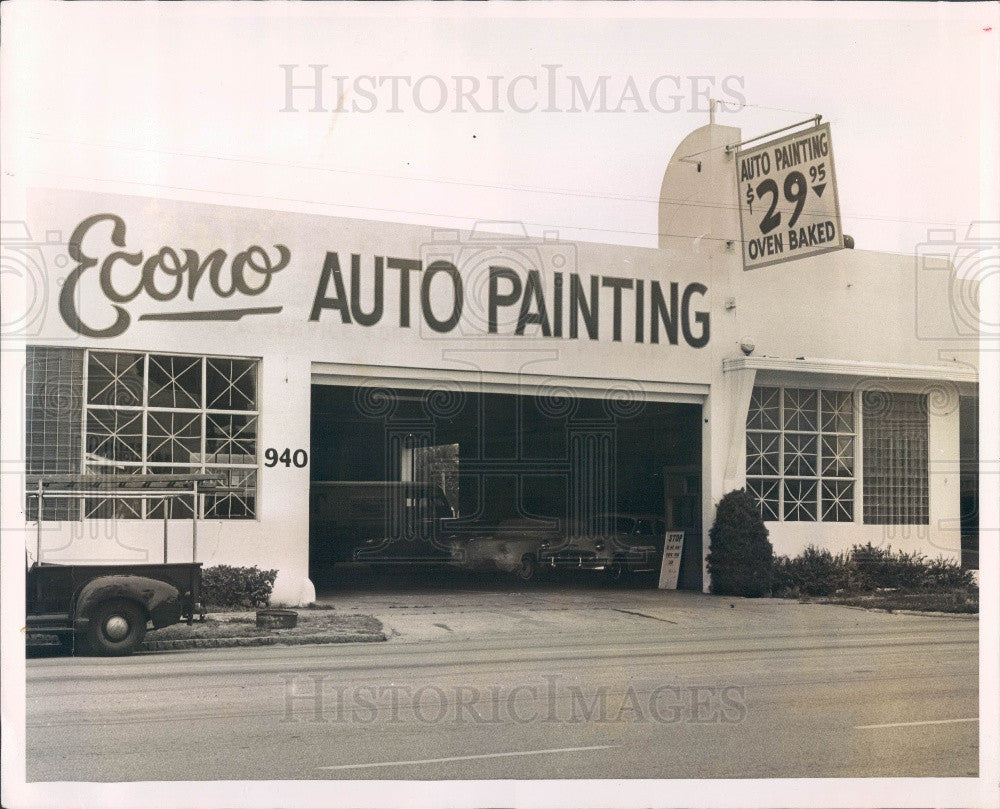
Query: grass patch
{"type": "Point", "coordinates": [243, 625]}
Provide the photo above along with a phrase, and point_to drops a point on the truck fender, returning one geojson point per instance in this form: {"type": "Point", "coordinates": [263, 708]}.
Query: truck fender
{"type": "Point", "coordinates": [160, 600]}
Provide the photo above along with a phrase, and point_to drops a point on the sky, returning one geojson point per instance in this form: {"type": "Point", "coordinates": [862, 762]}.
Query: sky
{"type": "Point", "coordinates": [186, 102]}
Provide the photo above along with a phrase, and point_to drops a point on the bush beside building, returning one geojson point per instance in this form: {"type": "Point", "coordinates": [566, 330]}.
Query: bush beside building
{"type": "Point", "coordinates": [740, 555]}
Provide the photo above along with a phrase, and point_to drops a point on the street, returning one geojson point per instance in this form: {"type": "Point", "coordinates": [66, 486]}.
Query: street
{"type": "Point", "coordinates": [543, 683]}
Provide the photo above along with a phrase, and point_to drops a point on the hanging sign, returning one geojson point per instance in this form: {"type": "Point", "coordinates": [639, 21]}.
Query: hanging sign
{"type": "Point", "coordinates": [670, 568]}
{"type": "Point", "coordinates": [788, 198]}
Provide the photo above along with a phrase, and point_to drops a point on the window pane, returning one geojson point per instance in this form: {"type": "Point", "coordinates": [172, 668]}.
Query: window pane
{"type": "Point", "coordinates": [231, 384]}
{"type": "Point", "coordinates": [764, 409]}
{"type": "Point", "coordinates": [837, 412]}
{"type": "Point", "coordinates": [173, 437]}
{"type": "Point", "coordinates": [231, 438]}
{"type": "Point", "coordinates": [895, 458]}
{"type": "Point", "coordinates": [762, 453]}
{"type": "Point", "coordinates": [115, 379]}
{"type": "Point", "coordinates": [238, 505]}
{"type": "Point", "coordinates": [766, 493]}
{"type": "Point", "coordinates": [838, 456]}
{"type": "Point", "coordinates": [174, 381]}
{"type": "Point", "coordinates": [108, 508]}
{"type": "Point", "coordinates": [800, 454]}
{"type": "Point", "coordinates": [838, 501]}
{"type": "Point", "coordinates": [114, 435]}
{"type": "Point", "coordinates": [180, 508]}
{"type": "Point", "coordinates": [800, 500]}
{"type": "Point", "coordinates": [800, 410]}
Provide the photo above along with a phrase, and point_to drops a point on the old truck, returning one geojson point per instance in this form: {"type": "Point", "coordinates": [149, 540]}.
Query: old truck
{"type": "Point", "coordinates": [106, 608]}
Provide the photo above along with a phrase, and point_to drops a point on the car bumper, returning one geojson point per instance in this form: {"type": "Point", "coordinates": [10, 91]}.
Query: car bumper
{"type": "Point", "coordinates": [584, 560]}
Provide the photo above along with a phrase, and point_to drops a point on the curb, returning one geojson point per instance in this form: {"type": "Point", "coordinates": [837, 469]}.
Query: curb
{"type": "Point", "coordinates": [938, 614]}
{"type": "Point", "coordinates": [268, 640]}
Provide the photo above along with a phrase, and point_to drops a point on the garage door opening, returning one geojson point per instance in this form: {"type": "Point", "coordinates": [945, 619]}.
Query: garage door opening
{"type": "Point", "coordinates": [404, 476]}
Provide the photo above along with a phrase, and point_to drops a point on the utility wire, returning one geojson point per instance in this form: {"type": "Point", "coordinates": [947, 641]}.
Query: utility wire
{"type": "Point", "coordinates": [466, 183]}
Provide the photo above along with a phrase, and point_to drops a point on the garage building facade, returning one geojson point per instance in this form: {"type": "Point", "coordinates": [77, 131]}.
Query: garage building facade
{"type": "Point", "coordinates": [561, 379]}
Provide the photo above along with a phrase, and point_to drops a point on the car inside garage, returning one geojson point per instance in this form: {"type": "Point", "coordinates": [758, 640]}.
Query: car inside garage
{"type": "Point", "coordinates": [401, 476]}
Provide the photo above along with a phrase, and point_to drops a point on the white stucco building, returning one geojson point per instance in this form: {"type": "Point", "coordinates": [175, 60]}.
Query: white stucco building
{"type": "Point", "coordinates": [836, 388]}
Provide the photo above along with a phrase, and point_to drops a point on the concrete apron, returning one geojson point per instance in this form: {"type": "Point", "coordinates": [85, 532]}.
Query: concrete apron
{"type": "Point", "coordinates": [462, 615]}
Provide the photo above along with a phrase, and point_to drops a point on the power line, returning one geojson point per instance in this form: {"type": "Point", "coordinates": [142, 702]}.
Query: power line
{"type": "Point", "coordinates": [383, 210]}
{"type": "Point", "coordinates": [468, 183]}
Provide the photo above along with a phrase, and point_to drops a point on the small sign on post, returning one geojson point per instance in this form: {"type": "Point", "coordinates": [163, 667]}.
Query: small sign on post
{"type": "Point", "coordinates": [670, 567]}
{"type": "Point", "coordinates": [788, 198]}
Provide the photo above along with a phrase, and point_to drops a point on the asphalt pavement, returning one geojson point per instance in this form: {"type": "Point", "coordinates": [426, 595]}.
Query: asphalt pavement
{"type": "Point", "coordinates": [550, 681]}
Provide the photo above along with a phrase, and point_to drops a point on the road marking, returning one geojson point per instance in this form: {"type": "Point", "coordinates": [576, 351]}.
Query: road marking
{"type": "Point", "coordinates": [468, 758]}
{"type": "Point", "coordinates": [914, 724]}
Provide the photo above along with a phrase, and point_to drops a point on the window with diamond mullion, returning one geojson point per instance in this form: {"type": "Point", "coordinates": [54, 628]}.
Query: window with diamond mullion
{"type": "Point", "coordinates": [164, 423]}
{"type": "Point", "coordinates": [764, 451]}
{"type": "Point", "coordinates": [115, 425]}
{"type": "Point", "coordinates": [800, 447]}
{"type": "Point", "coordinates": [800, 454]}
{"type": "Point", "coordinates": [230, 435]}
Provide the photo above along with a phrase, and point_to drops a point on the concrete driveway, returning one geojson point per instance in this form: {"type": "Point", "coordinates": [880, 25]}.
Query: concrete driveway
{"type": "Point", "coordinates": [420, 604]}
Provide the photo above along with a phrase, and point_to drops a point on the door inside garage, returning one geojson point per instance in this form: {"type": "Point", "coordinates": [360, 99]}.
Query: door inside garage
{"type": "Point", "coordinates": [553, 457]}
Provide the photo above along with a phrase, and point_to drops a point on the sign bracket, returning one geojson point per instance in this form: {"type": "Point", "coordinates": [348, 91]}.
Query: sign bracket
{"type": "Point", "coordinates": [815, 120]}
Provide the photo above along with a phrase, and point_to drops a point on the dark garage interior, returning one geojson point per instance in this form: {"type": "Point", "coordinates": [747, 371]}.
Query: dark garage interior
{"type": "Point", "coordinates": [556, 458]}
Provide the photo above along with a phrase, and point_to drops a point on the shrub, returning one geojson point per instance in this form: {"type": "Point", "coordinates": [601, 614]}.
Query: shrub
{"type": "Point", "coordinates": [865, 569]}
{"type": "Point", "coordinates": [877, 568]}
{"type": "Point", "coordinates": [872, 566]}
{"type": "Point", "coordinates": [881, 568]}
{"type": "Point", "coordinates": [740, 556]}
{"type": "Point", "coordinates": [943, 574]}
{"type": "Point", "coordinates": [784, 584]}
{"type": "Point", "coordinates": [226, 586]}
{"type": "Point", "coordinates": [818, 572]}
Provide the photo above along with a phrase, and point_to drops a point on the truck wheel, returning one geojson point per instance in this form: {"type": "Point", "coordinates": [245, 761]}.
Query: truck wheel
{"type": "Point", "coordinates": [116, 628]}
{"type": "Point", "coordinates": [527, 568]}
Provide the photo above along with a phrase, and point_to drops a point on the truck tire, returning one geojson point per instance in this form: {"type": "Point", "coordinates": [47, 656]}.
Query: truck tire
{"type": "Point", "coordinates": [116, 627]}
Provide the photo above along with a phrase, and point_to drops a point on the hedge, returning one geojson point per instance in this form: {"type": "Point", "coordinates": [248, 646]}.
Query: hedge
{"type": "Point", "coordinates": [865, 569]}
{"type": "Point", "coordinates": [226, 586]}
